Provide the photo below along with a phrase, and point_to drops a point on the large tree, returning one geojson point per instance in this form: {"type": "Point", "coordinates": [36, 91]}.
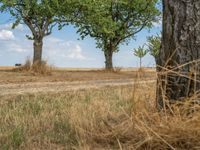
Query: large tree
{"type": "Point", "coordinates": [113, 22]}
{"type": "Point", "coordinates": [178, 61]}
{"type": "Point", "coordinates": [38, 15]}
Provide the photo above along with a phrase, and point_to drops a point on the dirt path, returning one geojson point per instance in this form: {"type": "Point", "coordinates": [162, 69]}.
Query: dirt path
{"type": "Point", "coordinates": [35, 87]}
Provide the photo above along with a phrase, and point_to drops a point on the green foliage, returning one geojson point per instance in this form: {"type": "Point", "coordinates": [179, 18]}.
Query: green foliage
{"type": "Point", "coordinates": [140, 51]}
{"type": "Point", "coordinates": [17, 137]}
{"type": "Point", "coordinates": [115, 22]}
{"type": "Point", "coordinates": [62, 132]}
{"type": "Point", "coordinates": [38, 15]}
{"type": "Point", "coordinates": [154, 43]}
{"type": "Point", "coordinates": [41, 16]}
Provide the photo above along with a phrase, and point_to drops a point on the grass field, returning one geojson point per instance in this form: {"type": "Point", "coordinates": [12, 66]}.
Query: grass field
{"type": "Point", "coordinates": [87, 119]}
{"type": "Point", "coordinates": [108, 118]}
{"type": "Point", "coordinates": [7, 75]}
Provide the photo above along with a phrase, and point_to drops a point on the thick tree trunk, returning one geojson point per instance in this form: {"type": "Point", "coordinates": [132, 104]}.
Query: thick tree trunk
{"type": "Point", "coordinates": [108, 60]}
{"type": "Point", "coordinates": [37, 56]}
{"type": "Point", "coordinates": [108, 52]}
{"type": "Point", "coordinates": [178, 62]}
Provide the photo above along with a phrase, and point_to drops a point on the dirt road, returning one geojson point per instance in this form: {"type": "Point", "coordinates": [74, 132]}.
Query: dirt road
{"type": "Point", "coordinates": [35, 87]}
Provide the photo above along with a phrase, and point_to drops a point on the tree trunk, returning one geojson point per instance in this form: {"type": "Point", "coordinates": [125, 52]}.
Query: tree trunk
{"type": "Point", "coordinates": [140, 62]}
{"type": "Point", "coordinates": [108, 52]}
{"type": "Point", "coordinates": [37, 56]}
{"type": "Point", "coordinates": [178, 61]}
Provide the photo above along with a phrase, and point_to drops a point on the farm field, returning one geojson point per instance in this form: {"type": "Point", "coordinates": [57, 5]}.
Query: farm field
{"type": "Point", "coordinates": [106, 118]}
{"type": "Point", "coordinates": [36, 110]}
{"type": "Point", "coordinates": [7, 75]}
{"type": "Point", "coordinates": [12, 82]}
{"type": "Point", "coordinates": [83, 119]}
{"type": "Point", "coordinates": [99, 111]}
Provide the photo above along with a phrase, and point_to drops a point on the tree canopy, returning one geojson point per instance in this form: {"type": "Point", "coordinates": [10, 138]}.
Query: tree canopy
{"type": "Point", "coordinates": [39, 15]}
{"type": "Point", "coordinates": [112, 23]}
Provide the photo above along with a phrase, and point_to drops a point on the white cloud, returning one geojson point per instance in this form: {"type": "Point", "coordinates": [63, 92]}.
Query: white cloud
{"type": "Point", "coordinates": [17, 47]}
{"type": "Point", "coordinates": [6, 35]}
{"type": "Point", "coordinates": [76, 52]}
{"type": "Point", "coordinates": [8, 26]}
{"type": "Point", "coordinates": [56, 48]}
{"type": "Point", "coordinates": [54, 40]}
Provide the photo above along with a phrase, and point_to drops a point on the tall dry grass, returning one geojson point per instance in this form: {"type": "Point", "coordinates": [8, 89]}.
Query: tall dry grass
{"type": "Point", "coordinates": [38, 68]}
{"type": "Point", "coordinates": [110, 118]}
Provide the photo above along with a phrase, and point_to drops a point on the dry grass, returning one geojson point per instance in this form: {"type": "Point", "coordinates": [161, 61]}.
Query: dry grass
{"type": "Point", "coordinates": [38, 68]}
{"type": "Point", "coordinates": [42, 68]}
{"type": "Point", "coordinates": [110, 118]}
{"type": "Point", "coordinates": [8, 76]}
{"type": "Point", "coordinates": [6, 68]}
{"type": "Point", "coordinates": [120, 69]}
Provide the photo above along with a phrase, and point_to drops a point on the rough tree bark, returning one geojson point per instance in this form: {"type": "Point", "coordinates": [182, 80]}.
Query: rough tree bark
{"type": "Point", "coordinates": [108, 52]}
{"type": "Point", "coordinates": [108, 60]}
{"type": "Point", "coordinates": [37, 54]}
{"type": "Point", "coordinates": [178, 61]}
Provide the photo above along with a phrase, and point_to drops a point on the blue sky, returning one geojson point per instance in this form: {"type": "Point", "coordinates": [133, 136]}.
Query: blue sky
{"type": "Point", "coordinates": [63, 49]}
